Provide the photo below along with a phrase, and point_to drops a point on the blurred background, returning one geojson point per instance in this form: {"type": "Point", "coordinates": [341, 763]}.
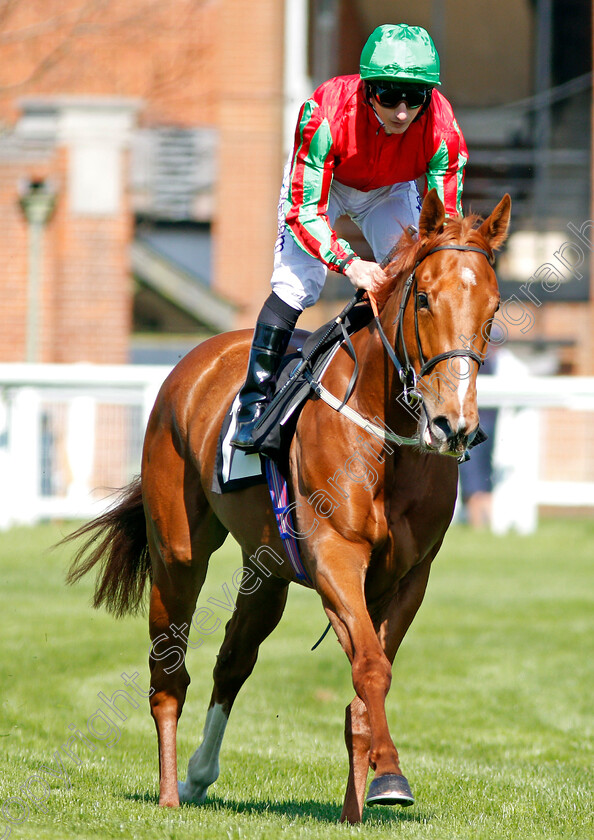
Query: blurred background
{"type": "Point", "coordinates": [141, 153]}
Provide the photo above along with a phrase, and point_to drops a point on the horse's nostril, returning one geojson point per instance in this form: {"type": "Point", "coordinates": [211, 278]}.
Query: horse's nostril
{"type": "Point", "coordinates": [443, 425]}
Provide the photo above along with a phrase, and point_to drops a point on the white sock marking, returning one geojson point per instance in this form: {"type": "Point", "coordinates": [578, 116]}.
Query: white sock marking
{"type": "Point", "coordinates": [203, 767]}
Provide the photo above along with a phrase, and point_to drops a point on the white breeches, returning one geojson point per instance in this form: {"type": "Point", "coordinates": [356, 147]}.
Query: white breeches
{"type": "Point", "coordinates": [381, 214]}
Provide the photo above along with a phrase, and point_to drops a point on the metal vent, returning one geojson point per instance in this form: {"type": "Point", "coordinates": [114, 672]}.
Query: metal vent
{"type": "Point", "coordinates": [173, 172]}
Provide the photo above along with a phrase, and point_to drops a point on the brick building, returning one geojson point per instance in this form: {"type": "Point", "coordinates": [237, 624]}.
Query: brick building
{"type": "Point", "coordinates": [66, 277]}
{"type": "Point", "coordinates": [161, 129]}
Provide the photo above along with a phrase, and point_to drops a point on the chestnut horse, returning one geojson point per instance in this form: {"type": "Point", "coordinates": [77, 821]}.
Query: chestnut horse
{"type": "Point", "coordinates": [367, 550]}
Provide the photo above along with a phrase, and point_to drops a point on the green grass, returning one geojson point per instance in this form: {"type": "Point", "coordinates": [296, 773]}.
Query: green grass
{"type": "Point", "coordinates": [490, 707]}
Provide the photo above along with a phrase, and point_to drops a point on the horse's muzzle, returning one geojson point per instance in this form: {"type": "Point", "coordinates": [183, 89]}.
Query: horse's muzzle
{"type": "Point", "coordinates": [440, 437]}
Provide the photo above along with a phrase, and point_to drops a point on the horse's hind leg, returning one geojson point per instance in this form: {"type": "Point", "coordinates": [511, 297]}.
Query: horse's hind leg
{"type": "Point", "coordinates": [182, 534]}
{"type": "Point", "coordinates": [258, 611]}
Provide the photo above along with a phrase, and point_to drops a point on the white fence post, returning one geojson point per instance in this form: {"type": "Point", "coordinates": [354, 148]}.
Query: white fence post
{"type": "Point", "coordinates": [5, 462]}
{"type": "Point", "coordinates": [80, 448]}
{"type": "Point", "coordinates": [22, 482]}
{"type": "Point", "coordinates": [515, 456]}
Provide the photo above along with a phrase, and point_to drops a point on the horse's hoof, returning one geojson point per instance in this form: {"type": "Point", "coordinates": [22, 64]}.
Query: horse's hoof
{"type": "Point", "coordinates": [389, 790]}
{"type": "Point", "coordinates": [188, 796]}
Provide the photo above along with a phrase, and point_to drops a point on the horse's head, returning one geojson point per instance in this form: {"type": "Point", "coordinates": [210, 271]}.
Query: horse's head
{"type": "Point", "coordinates": [443, 312]}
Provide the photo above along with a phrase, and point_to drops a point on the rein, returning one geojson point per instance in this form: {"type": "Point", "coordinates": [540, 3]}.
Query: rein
{"type": "Point", "coordinates": [406, 372]}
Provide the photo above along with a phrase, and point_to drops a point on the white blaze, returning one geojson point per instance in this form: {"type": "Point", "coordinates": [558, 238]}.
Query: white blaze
{"type": "Point", "coordinates": [468, 275]}
{"type": "Point", "coordinates": [463, 383]}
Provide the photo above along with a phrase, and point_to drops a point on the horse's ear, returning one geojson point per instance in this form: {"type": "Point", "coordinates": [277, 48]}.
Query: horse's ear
{"type": "Point", "coordinates": [432, 215]}
{"type": "Point", "coordinates": [494, 229]}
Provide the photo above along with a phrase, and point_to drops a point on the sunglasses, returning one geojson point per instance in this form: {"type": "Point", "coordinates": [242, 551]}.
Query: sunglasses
{"type": "Point", "coordinates": [389, 97]}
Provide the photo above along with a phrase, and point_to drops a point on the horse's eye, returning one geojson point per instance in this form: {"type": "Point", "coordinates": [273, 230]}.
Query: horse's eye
{"type": "Point", "coordinates": [422, 301]}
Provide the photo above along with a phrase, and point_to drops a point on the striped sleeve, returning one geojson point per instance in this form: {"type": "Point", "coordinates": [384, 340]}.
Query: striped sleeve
{"type": "Point", "coordinates": [445, 170]}
{"type": "Point", "coordinates": [306, 208]}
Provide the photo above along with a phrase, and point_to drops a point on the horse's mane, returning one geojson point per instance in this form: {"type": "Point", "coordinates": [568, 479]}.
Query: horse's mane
{"type": "Point", "coordinates": [461, 230]}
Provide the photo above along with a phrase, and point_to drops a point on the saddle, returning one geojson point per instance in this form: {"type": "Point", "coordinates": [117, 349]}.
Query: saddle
{"type": "Point", "coordinates": [275, 428]}
{"type": "Point", "coordinates": [308, 357]}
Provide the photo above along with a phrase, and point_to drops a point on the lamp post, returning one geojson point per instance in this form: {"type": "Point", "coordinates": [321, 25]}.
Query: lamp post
{"type": "Point", "coordinates": [37, 200]}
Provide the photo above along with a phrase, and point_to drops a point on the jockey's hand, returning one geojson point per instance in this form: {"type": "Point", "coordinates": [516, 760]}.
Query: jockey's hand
{"type": "Point", "coordinates": [366, 275]}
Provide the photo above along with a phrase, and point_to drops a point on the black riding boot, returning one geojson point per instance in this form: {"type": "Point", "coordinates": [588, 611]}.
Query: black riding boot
{"type": "Point", "coordinates": [268, 348]}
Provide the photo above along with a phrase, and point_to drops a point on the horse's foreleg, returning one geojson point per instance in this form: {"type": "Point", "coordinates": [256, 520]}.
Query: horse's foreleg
{"type": "Point", "coordinates": [256, 615]}
{"type": "Point", "coordinates": [341, 586]}
{"type": "Point", "coordinates": [392, 629]}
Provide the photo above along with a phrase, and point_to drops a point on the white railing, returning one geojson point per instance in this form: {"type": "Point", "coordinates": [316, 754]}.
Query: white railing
{"type": "Point", "coordinates": [544, 446]}
{"type": "Point", "coordinates": [68, 433]}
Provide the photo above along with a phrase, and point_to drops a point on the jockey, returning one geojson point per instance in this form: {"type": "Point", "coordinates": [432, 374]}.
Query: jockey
{"type": "Point", "coordinates": [360, 144]}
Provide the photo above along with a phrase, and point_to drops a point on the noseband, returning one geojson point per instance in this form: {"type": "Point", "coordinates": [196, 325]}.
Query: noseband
{"type": "Point", "coordinates": [406, 372]}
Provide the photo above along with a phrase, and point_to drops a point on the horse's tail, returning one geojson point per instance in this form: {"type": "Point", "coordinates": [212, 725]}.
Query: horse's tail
{"type": "Point", "coordinates": [115, 541]}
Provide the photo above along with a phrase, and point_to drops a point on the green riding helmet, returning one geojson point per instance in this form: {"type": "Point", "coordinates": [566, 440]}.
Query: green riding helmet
{"type": "Point", "coordinates": [400, 53]}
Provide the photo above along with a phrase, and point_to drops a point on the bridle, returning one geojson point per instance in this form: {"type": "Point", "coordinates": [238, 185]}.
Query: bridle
{"type": "Point", "coordinates": [406, 372]}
